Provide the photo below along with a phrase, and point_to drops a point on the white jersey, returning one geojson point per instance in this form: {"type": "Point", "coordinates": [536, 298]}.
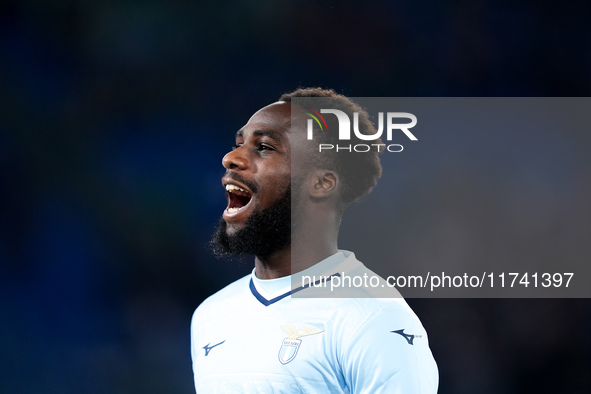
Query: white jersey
{"type": "Point", "coordinates": [259, 336]}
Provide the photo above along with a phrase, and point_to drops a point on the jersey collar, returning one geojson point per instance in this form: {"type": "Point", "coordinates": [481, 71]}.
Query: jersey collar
{"type": "Point", "coordinates": [269, 291]}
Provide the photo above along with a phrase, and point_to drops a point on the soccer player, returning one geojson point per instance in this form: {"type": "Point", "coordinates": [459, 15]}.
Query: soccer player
{"type": "Point", "coordinates": [261, 334]}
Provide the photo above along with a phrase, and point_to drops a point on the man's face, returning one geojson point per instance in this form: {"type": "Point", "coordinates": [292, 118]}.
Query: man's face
{"type": "Point", "coordinates": [257, 219]}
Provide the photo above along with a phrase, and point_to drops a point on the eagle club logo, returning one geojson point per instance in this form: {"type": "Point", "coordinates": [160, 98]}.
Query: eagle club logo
{"type": "Point", "coordinates": [291, 344]}
{"type": "Point", "coordinates": [344, 131]}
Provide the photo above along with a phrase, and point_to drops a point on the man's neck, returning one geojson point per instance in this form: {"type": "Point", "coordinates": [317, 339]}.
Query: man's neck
{"type": "Point", "coordinates": [312, 241]}
{"type": "Point", "coordinates": [291, 260]}
{"type": "Point", "coordinates": [277, 265]}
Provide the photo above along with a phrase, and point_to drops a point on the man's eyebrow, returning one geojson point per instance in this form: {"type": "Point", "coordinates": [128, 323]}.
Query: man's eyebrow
{"type": "Point", "coordinates": [265, 133]}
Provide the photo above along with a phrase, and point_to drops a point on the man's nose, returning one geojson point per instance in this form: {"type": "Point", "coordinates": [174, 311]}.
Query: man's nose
{"type": "Point", "coordinates": [235, 159]}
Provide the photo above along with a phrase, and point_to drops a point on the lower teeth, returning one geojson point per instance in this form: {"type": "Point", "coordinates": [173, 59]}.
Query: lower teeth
{"type": "Point", "coordinates": [234, 209]}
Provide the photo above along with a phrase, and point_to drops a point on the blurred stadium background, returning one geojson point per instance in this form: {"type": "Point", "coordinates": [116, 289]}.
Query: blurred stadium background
{"type": "Point", "coordinates": [115, 116]}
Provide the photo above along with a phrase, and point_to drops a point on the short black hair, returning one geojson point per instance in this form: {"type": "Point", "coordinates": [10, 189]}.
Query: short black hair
{"type": "Point", "coordinates": [359, 171]}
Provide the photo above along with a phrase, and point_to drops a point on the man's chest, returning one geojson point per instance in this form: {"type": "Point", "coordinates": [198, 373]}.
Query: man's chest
{"type": "Point", "coordinates": [261, 350]}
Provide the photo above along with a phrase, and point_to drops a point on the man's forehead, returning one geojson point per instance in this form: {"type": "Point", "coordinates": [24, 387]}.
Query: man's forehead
{"type": "Point", "coordinates": [277, 114]}
{"type": "Point", "coordinates": [274, 121]}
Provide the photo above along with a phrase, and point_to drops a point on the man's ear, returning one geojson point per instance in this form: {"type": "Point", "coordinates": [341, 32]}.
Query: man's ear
{"type": "Point", "coordinates": [324, 183]}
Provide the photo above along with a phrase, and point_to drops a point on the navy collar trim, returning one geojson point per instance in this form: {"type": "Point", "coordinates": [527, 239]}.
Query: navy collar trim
{"type": "Point", "coordinates": [266, 302]}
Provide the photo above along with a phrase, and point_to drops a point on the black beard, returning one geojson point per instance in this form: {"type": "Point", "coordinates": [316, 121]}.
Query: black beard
{"type": "Point", "coordinates": [264, 232]}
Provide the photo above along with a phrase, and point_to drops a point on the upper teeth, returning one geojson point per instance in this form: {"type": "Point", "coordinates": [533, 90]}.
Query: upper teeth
{"type": "Point", "coordinates": [234, 187]}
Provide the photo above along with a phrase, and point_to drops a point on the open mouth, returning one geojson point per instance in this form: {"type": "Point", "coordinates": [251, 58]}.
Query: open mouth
{"type": "Point", "coordinates": [238, 198]}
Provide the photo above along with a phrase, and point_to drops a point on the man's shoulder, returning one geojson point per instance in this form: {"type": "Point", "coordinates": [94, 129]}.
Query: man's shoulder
{"type": "Point", "coordinates": [367, 310]}
{"type": "Point", "coordinates": [357, 294]}
{"type": "Point", "coordinates": [354, 284]}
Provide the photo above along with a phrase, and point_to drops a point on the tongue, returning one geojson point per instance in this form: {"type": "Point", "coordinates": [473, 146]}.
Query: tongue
{"type": "Point", "coordinates": [237, 201]}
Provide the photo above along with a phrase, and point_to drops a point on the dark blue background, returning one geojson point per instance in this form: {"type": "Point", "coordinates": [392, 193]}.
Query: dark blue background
{"type": "Point", "coordinates": [115, 116]}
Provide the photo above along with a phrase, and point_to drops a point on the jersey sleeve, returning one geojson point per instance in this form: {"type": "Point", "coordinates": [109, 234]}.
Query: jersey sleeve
{"type": "Point", "coordinates": [389, 353]}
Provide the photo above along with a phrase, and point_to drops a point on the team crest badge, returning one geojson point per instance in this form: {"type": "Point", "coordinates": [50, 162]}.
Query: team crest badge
{"type": "Point", "coordinates": [291, 344]}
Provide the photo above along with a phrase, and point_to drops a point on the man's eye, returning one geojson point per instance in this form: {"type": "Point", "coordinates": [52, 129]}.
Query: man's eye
{"type": "Point", "coordinates": [265, 147]}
